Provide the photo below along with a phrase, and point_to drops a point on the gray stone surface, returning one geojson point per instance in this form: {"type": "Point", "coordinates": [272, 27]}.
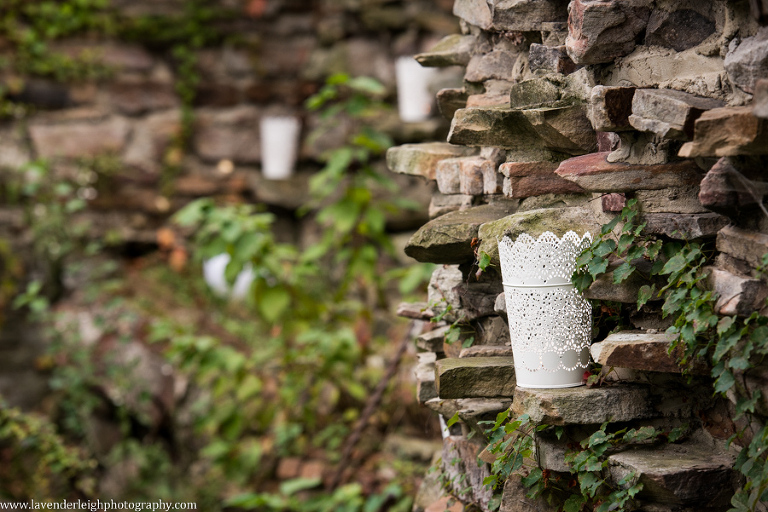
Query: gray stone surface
{"type": "Point", "coordinates": [86, 138]}
{"type": "Point", "coordinates": [448, 238]}
{"type": "Point", "coordinates": [670, 200]}
{"type": "Point", "coordinates": [678, 474]}
{"type": "Point", "coordinates": [550, 59]}
{"type": "Point", "coordinates": [422, 159]}
{"type": "Point", "coordinates": [637, 350]}
{"type": "Point", "coordinates": [679, 29]}
{"type": "Point", "coordinates": [452, 50]}
{"type": "Point", "coordinates": [685, 226]}
{"type": "Point", "coordinates": [474, 12]}
{"type": "Point", "coordinates": [668, 113]}
{"type": "Point", "coordinates": [487, 351]}
{"type": "Point", "coordinates": [498, 64]}
{"type": "Point", "coordinates": [610, 108]}
{"type": "Point", "coordinates": [460, 460]}
{"type": "Point", "coordinates": [582, 405]}
{"type": "Point", "coordinates": [432, 341]}
{"type": "Point", "coordinates": [527, 15]}
{"type": "Point", "coordinates": [742, 244]}
{"type": "Point", "coordinates": [425, 377]}
{"type": "Point", "coordinates": [451, 100]}
{"type": "Point", "coordinates": [231, 134]}
{"type": "Point", "coordinates": [760, 99]}
{"type": "Point", "coordinates": [728, 131]}
{"type": "Point", "coordinates": [748, 61]}
{"type": "Point", "coordinates": [442, 204]}
{"type": "Point", "coordinates": [595, 173]}
{"type": "Point", "coordinates": [602, 30]}
{"type": "Point", "coordinates": [475, 377]}
{"type": "Point", "coordinates": [515, 499]}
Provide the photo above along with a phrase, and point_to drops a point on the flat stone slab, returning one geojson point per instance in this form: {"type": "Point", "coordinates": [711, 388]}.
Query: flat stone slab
{"type": "Point", "coordinates": [610, 108]}
{"type": "Point", "coordinates": [432, 341]}
{"type": "Point", "coordinates": [487, 351]}
{"type": "Point", "coordinates": [535, 222]}
{"type": "Point", "coordinates": [728, 131]}
{"type": "Point", "coordinates": [565, 129]}
{"type": "Point", "coordinates": [582, 405]}
{"type": "Point", "coordinates": [448, 238]}
{"type": "Point", "coordinates": [452, 50]}
{"type": "Point", "coordinates": [736, 295]}
{"type": "Point", "coordinates": [669, 113]}
{"type": "Point", "coordinates": [475, 377]}
{"type": "Point", "coordinates": [638, 351]}
{"type": "Point", "coordinates": [742, 244]}
{"type": "Point", "coordinates": [685, 226]}
{"type": "Point", "coordinates": [595, 173]}
{"type": "Point", "coordinates": [421, 159]}
{"type": "Point", "coordinates": [678, 474]}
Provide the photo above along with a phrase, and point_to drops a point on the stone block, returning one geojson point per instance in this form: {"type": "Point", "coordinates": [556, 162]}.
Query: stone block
{"type": "Point", "coordinates": [550, 59]}
{"type": "Point", "coordinates": [610, 108]}
{"type": "Point", "coordinates": [432, 341]}
{"type": "Point", "coordinates": [760, 99]}
{"type": "Point", "coordinates": [582, 405]}
{"type": "Point", "coordinates": [535, 93]}
{"type": "Point", "coordinates": [137, 97]}
{"type": "Point", "coordinates": [442, 204]}
{"type": "Point", "coordinates": [564, 129]}
{"type": "Point", "coordinates": [487, 351]}
{"type": "Point", "coordinates": [474, 12]}
{"type": "Point", "coordinates": [443, 285]}
{"type": "Point", "coordinates": [678, 29]}
{"type": "Point", "coordinates": [728, 131]}
{"type": "Point", "coordinates": [685, 226]}
{"type": "Point", "coordinates": [742, 244]}
{"type": "Point", "coordinates": [462, 471]}
{"type": "Point", "coordinates": [670, 200]}
{"type": "Point", "coordinates": [81, 138]}
{"type": "Point", "coordinates": [679, 475]}
{"type": "Point", "coordinates": [602, 30]}
{"type": "Point", "coordinates": [421, 159]}
{"type": "Point", "coordinates": [463, 175]}
{"type": "Point", "coordinates": [554, 201]}
{"type": "Point", "coordinates": [498, 64]}
{"type": "Point", "coordinates": [447, 175]}
{"type": "Point", "coordinates": [290, 193]}
{"type": "Point", "coordinates": [471, 177]}
{"type": "Point", "coordinates": [415, 311]}
{"type": "Point", "coordinates": [603, 288]}
{"type": "Point", "coordinates": [747, 61]}
{"type": "Point", "coordinates": [452, 50]}
{"type": "Point", "coordinates": [14, 150]}
{"type": "Point", "coordinates": [446, 504]}
{"type": "Point", "coordinates": [724, 189]}
{"type": "Point", "coordinates": [736, 295]}
{"type": "Point", "coordinates": [425, 377]}
{"type": "Point", "coordinates": [595, 173]}
{"type": "Point", "coordinates": [475, 377]}
{"type": "Point", "coordinates": [536, 222]}
{"type": "Point", "coordinates": [526, 179]}
{"type": "Point", "coordinates": [448, 238]}
{"type": "Point", "coordinates": [151, 138]}
{"type": "Point", "coordinates": [613, 203]}
{"type": "Point", "coordinates": [515, 498]}
{"type": "Point", "coordinates": [451, 100]}
{"type": "Point", "coordinates": [668, 113]}
{"type": "Point", "coordinates": [491, 330]}
{"type": "Point", "coordinates": [527, 15]}
{"type": "Point", "coordinates": [493, 180]}
{"type": "Point", "coordinates": [231, 134]}
{"type": "Point", "coordinates": [637, 351]}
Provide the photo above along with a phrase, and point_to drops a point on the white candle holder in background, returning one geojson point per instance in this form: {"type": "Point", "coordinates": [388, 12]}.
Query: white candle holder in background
{"type": "Point", "coordinates": [414, 99]}
{"type": "Point", "coordinates": [214, 274]}
{"type": "Point", "coordinates": [279, 146]}
{"type": "Point", "coordinates": [550, 323]}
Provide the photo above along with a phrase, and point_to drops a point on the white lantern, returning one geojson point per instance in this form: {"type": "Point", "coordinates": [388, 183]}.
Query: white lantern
{"type": "Point", "coordinates": [214, 274]}
{"type": "Point", "coordinates": [279, 146]}
{"type": "Point", "coordinates": [550, 323]}
{"type": "Point", "coordinates": [414, 100]}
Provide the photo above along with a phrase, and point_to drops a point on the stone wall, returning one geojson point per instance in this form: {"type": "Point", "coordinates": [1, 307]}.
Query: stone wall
{"type": "Point", "coordinates": [275, 55]}
{"type": "Point", "coordinates": [569, 109]}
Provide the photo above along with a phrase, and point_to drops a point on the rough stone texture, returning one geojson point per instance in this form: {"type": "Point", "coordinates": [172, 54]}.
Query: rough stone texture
{"type": "Point", "coordinates": [487, 351]}
{"type": "Point", "coordinates": [564, 129]}
{"type": "Point", "coordinates": [760, 99]}
{"type": "Point", "coordinates": [14, 150]}
{"type": "Point", "coordinates": [535, 222]}
{"type": "Point", "coordinates": [668, 113]}
{"type": "Point", "coordinates": [602, 30]}
{"type": "Point", "coordinates": [452, 50]}
{"type": "Point", "coordinates": [728, 131]}
{"type": "Point", "coordinates": [422, 159]}
{"type": "Point", "coordinates": [680, 29]}
{"type": "Point", "coordinates": [748, 61]}
{"type": "Point", "coordinates": [526, 179]}
{"type": "Point", "coordinates": [610, 108]}
{"type": "Point", "coordinates": [474, 12]}
{"type": "Point", "coordinates": [471, 176]}
{"type": "Point", "coordinates": [527, 15]}
{"type": "Point", "coordinates": [595, 173]}
{"type": "Point", "coordinates": [742, 244]}
{"type": "Point", "coordinates": [678, 474]}
{"type": "Point", "coordinates": [613, 203]}
{"type": "Point", "coordinates": [151, 139]}
{"type": "Point", "coordinates": [460, 458]}
{"type": "Point", "coordinates": [231, 134]}
{"type": "Point", "coordinates": [475, 377]}
{"type": "Point", "coordinates": [442, 204]}
{"type": "Point", "coordinates": [685, 227]}
{"type": "Point", "coordinates": [603, 288]}
{"type": "Point", "coordinates": [137, 97]}
{"type": "Point", "coordinates": [550, 59]}
{"type": "Point", "coordinates": [723, 189]}
{"type": "Point", "coordinates": [498, 64]}
{"type": "Point", "coordinates": [641, 148]}
{"type": "Point", "coordinates": [446, 504]}
{"type": "Point", "coordinates": [736, 295]}
{"type": "Point", "coordinates": [443, 284]}
{"type": "Point", "coordinates": [492, 330]}
{"type": "Point", "coordinates": [448, 238]}
{"type": "Point", "coordinates": [80, 139]}
{"type": "Point", "coordinates": [451, 100]}
{"type": "Point", "coordinates": [492, 180]}
{"type": "Point", "coordinates": [514, 498]}
{"type": "Point", "coordinates": [432, 341]}
{"type": "Point", "coordinates": [670, 200]}
{"type": "Point", "coordinates": [582, 405]}
{"type": "Point", "coordinates": [638, 351]}
{"type": "Point", "coordinates": [425, 377]}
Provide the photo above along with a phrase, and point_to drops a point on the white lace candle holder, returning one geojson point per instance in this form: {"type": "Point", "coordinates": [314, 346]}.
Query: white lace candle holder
{"type": "Point", "coordinates": [279, 146]}
{"type": "Point", "coordinates": [550, 323]}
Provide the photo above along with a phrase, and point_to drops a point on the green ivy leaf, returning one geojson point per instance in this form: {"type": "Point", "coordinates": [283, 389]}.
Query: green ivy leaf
{"type": "Point", "coordinates": [597, 266]}
{"type": "Point", "coordinates": [533, 477]}
{"type": "Point", "coordinates": [724, 382]}
{"type": "Point", "coordinates": [622, 272]}
{"type": "Point", "coordinates": [451, 422]}
{"type": "Point", "coordinates": [485, 260]}
{"type": "Point", "coordinates": [645, 294]}
{"type": "Point", "coordinates": [675, 264]}
{"type": "Point", "coordinates": [605, 248]}
{"type": "Point", "coordinates": [273, 302]}
{"type": "Point", "coordinates": [625, 241]}
{"type": "Point", "coordinates": [574, 503]}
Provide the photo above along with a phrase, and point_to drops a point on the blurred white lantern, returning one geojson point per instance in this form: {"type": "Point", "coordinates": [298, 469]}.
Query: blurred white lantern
{"type": "Point", "coordinates": [550, 323]}
{"type": "Point", "coordinates": [213, 273]}
{"type": "Point", "coordinates": [414, 99]}
{"type": "Point", "coordinates": [279, 146]}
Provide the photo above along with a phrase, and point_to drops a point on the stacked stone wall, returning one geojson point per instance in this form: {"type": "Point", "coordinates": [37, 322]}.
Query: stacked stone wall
{"type": "Point", "coordinates": [568, 110]}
